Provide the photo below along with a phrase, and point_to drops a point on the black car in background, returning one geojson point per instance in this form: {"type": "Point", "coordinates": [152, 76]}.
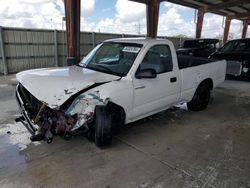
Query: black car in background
{"type": "Point", "coordinates": [237, 54]}
{"type": "Point", "coordinates": [198, 47]}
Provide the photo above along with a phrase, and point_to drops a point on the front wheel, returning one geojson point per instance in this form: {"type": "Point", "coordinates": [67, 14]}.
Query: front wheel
{"type": "Point", "coordinates": [201, 98]}
{"type": "Point", "coordinates": [103, 130]}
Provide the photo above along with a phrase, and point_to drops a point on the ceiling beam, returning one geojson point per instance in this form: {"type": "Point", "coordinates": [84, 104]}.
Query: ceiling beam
{"type": "Point", "coordinates": [216, 8]}
{"type": "Point", "coordinates": [213, 8]}
{"type": "Point", "coordinates": [231, 11]}
{"type": "Point", "coordinates": [147, 1]}
{"type": "Point", "coordinates": [184, 3]}
{"type": "Point", "coordinates": [244, 8]}
{"type": "Point", "coordinates": [140, 1]}
{"type": "Point", "coordinates": [226, 4]}
{"type": "Point", "coordinates": [241, 16]}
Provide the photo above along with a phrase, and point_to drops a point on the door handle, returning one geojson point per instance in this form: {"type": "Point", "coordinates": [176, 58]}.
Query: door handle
{"type": "Point", "coordinates": [140, 87]}
{"type": "Point", "coordinates": [174, 79]}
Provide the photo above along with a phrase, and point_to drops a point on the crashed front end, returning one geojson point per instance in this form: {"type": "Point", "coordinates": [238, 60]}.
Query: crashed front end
{"type": "Point", "coordinates": [44, 122]}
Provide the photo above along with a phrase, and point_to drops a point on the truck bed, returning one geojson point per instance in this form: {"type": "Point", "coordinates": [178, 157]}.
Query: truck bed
{"type": "Point", "coordinates": [191, 61]}
{"type": "Point", "coordinates": [196, 69]}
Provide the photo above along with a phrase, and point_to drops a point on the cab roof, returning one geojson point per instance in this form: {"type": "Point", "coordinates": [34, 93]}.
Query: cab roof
{"type": "Point", "coordinates": [139, 40]}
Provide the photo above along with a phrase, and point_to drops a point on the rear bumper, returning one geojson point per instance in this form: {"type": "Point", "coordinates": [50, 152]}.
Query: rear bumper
{"type": "Point", "coordinates": [26, 121]}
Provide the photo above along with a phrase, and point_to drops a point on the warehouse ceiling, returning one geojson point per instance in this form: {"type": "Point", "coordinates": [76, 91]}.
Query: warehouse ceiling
{"type": "Point", "coordinates": [235, 9]}
{"type": "Point", "coordinates": [232, 9]}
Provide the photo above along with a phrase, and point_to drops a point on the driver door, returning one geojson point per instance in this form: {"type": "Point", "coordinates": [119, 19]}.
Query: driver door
{"type": "Point", "coordinates": [155, 94]}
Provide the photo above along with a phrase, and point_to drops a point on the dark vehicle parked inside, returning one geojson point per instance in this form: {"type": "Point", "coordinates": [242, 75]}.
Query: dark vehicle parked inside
{"type": "Point", "coordinates": [237, 54]}
{"type": "Point", "coordinates": [198, 47]}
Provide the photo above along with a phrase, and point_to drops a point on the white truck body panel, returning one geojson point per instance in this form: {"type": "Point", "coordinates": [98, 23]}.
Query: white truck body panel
{"type": "Point", "coordinates": [191, 77]}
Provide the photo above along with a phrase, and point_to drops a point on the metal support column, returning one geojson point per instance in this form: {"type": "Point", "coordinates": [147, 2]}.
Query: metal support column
{"type": "Point", "coordinates": [93, 40]}
{"type": "Point", "coordinates": [72, 12]}
{"type": "Point", "coordinates": [226, 29]}
{"type": "Point", "coordinates": [152, 18]}
{"type": "Point", "coordinates": [244, 30]}
{"type": "Point", "coordinates": [200, 17]}
{"type": "Point", "coordinates": [55, 48]}
{"type": "Point", "coordinates": [5, 67]}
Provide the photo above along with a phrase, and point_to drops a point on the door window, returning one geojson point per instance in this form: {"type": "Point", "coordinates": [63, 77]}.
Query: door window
{"type": "Point", "coordinates": [158, 58]}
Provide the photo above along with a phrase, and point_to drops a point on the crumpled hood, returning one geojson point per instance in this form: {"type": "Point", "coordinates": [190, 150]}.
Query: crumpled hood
{"type": "Point", "coordinates": [55, 85]}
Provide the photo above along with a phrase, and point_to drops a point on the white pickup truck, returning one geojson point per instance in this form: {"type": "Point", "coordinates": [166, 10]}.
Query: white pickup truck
{"type": "Point", "coordinates": [118, 82]}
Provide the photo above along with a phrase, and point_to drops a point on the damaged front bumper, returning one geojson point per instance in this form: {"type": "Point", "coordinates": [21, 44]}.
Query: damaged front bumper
{"type": "Point", "coordinates": [24, 119]}
{"type": "Point", "coordinates": [43, 122]}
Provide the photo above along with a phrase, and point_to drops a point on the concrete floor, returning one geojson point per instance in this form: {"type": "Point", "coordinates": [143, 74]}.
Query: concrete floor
{"type": "Point", "coordinates": [175, 148]}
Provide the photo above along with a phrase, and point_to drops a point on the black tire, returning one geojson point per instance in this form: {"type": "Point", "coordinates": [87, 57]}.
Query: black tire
{"type": "Point", "coordinates": [91, 134]}
{"type": "Point", "coordinates": [118, 122]}
{"type": "Point", "coordinates": [103, 129]}
{"type": "Point", "coordinates": [200, 99]}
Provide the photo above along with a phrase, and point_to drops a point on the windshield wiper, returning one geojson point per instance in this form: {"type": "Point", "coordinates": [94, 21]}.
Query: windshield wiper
{"type": "Point", "coordinates": [104, 69]}
{"type": "Point", "coordinates": [82, 65]}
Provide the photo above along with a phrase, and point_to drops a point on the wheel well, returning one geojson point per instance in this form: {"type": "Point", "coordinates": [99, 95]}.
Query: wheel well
{"type": "Point", "coordinates": [208, 82]}
{"type": "Point", "coordinates": [117, 112]}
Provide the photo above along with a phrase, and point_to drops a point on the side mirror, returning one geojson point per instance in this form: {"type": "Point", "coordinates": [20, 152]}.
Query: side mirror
{"type": "Point", "coordinates": [146, 73]}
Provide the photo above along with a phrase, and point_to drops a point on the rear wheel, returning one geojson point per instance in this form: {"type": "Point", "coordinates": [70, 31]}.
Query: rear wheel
{"type": "Point", "coordinates": [103, 130]}
{"type": "Point", "coordinates": [201, 98]}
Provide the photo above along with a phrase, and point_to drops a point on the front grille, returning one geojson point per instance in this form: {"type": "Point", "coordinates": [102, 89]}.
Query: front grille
{"type": "Point", "coordinates": [31, 104]}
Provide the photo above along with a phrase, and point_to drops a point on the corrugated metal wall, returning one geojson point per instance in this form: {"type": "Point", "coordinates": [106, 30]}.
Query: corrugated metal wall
{"type": "Point", "coordinates": [36, 48]}
{"type": "Point", "coordinates": [62, 48]}
{"type": "Point", "coordinates": [1, 48]}
{"type": "Point", "coordinates": [26, 49]}
{"type": "Point", "coordinates": [1, 61]}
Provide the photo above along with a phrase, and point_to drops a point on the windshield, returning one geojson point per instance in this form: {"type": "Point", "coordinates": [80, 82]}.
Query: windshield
{"type": "Point", "coordinates": [236, 46]}
{"type": "Point", "coordinates": [112, 57]}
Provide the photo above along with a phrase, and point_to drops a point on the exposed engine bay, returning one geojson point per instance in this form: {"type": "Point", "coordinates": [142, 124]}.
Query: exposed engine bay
{"type": "Point", "coordinates": [75, 114]}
